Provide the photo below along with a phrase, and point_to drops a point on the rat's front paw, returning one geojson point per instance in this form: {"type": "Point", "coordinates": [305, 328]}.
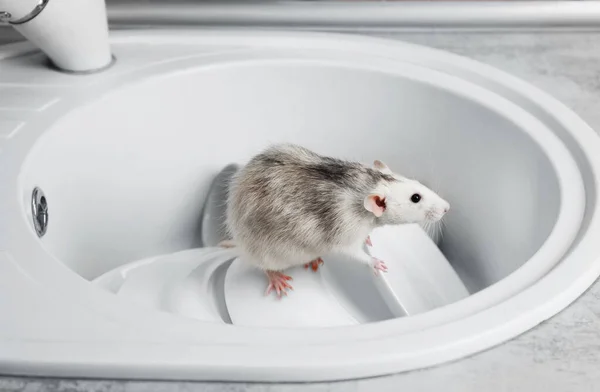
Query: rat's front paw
{"type": "Point", "coordinates": [378, 265]}
{"type": "Point", "coordinates": [314, 265]}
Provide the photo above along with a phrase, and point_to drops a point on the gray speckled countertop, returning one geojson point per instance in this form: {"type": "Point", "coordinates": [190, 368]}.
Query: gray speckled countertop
{"type": "Point", "coordinates": [563, 353]}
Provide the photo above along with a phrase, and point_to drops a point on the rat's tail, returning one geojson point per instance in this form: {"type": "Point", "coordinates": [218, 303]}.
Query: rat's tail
{"type": "Point", "coordinates": [227, 244]}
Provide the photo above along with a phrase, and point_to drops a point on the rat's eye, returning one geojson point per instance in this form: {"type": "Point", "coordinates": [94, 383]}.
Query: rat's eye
{"type": "Point", "coordinates": [415, 198]}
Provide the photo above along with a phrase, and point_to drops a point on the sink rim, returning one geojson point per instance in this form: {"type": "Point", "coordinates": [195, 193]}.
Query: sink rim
{"type": "Point", "coordinates": [550, 282]}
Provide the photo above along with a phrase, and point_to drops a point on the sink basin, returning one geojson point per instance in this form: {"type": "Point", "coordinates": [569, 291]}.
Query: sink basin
{"type": "Point", "coordinates": [125, 160]}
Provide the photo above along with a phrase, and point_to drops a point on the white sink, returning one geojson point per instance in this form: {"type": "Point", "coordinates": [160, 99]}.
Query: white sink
{"type": "Point", "coordinates": [125, 159]}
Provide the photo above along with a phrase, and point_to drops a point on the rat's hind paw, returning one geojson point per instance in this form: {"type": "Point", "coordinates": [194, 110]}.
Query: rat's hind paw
{"type": "Point", "coordinates": [379, 265]}
{"type": "Point", "coordinates": [314, 265]}
{"type": "Point", "coordinates": [278, 281]}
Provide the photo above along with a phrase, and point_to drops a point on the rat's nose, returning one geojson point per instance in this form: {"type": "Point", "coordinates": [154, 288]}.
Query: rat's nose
{"type": "Point", "coordinates": [447, 208]}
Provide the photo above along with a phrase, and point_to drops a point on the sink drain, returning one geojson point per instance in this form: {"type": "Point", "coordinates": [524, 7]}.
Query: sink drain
{"type": "Point", "coordinates": [39, 211]}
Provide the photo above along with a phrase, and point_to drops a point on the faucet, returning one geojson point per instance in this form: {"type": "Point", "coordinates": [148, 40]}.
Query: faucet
{"type": "Point", "coordinates": [72, 33]}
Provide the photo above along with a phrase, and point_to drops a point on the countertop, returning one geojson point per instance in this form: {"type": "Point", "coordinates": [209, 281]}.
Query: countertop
{"type": "Point", "coordinates": [563, 353]}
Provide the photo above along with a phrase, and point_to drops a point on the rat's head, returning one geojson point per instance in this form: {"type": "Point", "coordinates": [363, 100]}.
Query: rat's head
{"type": "Point", "coordinates": [401, 200]}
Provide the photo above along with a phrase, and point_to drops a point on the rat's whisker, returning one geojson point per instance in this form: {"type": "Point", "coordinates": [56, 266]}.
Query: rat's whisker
{"type": "Point", "coordinates": [427, 227]}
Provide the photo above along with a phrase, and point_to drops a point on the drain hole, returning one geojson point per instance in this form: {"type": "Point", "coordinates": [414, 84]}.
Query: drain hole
{"type": "Point", "coordinates": [39, 211]}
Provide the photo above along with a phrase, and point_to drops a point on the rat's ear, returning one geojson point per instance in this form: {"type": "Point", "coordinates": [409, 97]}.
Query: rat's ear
{"type": "Point", "coordinates": [382, 167]}
{"type": "Point", "coordinates": [375, 203]}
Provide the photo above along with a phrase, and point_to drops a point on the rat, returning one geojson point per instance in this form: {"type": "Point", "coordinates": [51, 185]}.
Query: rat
{"type": "Point", "coordinates": [289, 206]}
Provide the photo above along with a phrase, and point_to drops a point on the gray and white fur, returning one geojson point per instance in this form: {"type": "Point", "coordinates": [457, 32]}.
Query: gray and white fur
{"type": "Point", "coordinates": [289, 206]}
